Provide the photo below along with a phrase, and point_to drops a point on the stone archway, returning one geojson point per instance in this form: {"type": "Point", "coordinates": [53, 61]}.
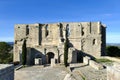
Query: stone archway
{"type": "Point", "coordinates": [49, 56]}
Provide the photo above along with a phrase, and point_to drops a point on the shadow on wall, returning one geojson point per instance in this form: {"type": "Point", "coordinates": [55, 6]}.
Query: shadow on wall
{"type": "Point", "coordinates": [87, 54]}
{"type": "Point", "coordinates": [80, 54]}
{"type": "Point", "coordinates": [35, 54]}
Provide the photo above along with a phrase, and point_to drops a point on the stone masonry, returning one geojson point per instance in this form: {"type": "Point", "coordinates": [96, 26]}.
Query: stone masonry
{"type": "Point", "coordinates": [46, 41]}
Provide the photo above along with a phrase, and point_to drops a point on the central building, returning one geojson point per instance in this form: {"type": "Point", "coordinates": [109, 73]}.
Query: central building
{"type": "Point", "coordinates": [46, 41]}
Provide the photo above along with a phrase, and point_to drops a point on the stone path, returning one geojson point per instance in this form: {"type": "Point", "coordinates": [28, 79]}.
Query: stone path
{"type": "Point", "coordinates": [38, 73]}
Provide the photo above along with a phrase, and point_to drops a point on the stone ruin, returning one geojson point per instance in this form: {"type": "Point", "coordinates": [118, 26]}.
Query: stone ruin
{"type": "Point", "coordinates": [46, 41]}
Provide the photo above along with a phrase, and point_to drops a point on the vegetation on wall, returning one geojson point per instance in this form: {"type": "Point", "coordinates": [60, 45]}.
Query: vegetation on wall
{"type": "Point", "coordinates": [5, 55]}
{"type": "Point", "coordinates": [24, 53]}
{"type": "Point", "coordinates": [113, 51]}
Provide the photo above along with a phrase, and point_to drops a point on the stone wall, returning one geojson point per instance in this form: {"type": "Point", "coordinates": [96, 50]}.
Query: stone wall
{"type": "Point", "coordinates": [6, 72]}
{"type": "Point", "coordinates": [44, 38]}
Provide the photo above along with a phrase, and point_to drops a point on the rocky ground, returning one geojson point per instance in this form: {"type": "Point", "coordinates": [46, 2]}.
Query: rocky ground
{"type": "Point", "coordinates": [79, 72]}
{"type": "Point", "coordinates": [89, 73]}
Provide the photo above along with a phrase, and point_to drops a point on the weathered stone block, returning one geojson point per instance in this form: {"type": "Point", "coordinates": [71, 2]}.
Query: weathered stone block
{"type": "Point", "coordinates": [53, 62]}
{"type": "Point", "coordinates": [86, 60]}
{"type": "Point", "coordinates": [95, 65]}
{"type": "Point", "coordinates": [113, 72]}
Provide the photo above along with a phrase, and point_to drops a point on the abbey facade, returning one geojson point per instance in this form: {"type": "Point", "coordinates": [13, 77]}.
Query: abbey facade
{"type": "Point", "coordinates": [46, 41]}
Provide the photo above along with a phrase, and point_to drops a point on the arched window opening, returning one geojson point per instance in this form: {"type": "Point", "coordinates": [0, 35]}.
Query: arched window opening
{"type": "Point", "coordinates": [49, 56]}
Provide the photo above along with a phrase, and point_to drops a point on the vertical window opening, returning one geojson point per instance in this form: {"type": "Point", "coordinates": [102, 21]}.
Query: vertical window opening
{"type": "Point", "coordinates": [46, 31]}
{"type": "Point", "coordinates": [90, 27]}
{"type": "Point", "coordinates": [61, 30]}
{"type": "Point", "coordinates": [94, 42]}
{"type": "Point", "coordinates": [82, 31]}
{"type": "Point", "coordinates": [68, 30]}
{"type": "Point", "coordinates": [27, 30]}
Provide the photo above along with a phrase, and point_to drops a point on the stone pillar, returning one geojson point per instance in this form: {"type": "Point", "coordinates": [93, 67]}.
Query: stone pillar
{"type": "Point", "coordinates": [53, 62]}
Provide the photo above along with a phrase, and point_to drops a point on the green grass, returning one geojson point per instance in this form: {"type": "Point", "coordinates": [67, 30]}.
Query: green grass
{"type": "Point", "coordinates": [103, 60]}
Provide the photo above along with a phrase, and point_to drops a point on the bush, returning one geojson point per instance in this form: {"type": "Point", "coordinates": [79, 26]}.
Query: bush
{"type": "Point", "coordinates": [113, 51]}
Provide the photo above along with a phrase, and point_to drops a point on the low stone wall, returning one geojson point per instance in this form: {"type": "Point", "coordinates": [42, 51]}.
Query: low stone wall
{"type": "Point", "coordinates": [86, 60]}
{"type": "Point", "coordinates": [6, 72]}
{"type": "Point", "coordinates": [113, 72]}
{"type": "Point", "coordinates": [95, 65]}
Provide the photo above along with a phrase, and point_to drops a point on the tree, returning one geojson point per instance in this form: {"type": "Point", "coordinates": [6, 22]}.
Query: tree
{"type": "Point", "coordinates": [24, 52]}
{"type": "Point", "coordinates": [5, 55]}
{"type": "Point", "coordinates": [66, 46]}
{"type": "Point", "coordinates": [4, 48]}
{"type": "Point", "coordinates": [66, 52]}
{"type": "Point", "coordinates": [113, 51]}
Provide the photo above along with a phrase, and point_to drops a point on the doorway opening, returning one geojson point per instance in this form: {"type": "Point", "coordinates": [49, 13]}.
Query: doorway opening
{"type": "Point", "coordinates": [49, 56]}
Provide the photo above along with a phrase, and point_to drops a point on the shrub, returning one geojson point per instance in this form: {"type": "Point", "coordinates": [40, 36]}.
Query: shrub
{"type": "Point", "coordinates": [113, 51]}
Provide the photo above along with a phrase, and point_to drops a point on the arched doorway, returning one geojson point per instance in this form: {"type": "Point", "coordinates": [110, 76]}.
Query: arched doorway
{"type": "Point", "coordinates": [49, 56]}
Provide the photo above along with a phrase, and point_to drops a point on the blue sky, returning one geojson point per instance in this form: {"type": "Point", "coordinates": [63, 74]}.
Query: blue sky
{"type": "Point", "coordinates": [46, 11]}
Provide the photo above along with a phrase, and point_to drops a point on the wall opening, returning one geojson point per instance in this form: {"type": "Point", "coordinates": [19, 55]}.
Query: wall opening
{"type": "Point", "coordinates": [27, 30]}
{"type": "Point", "coordinates": [61, 30]}
{"type": "Point", "coordinates": [94, 41]}
{"type": "Point", "coordinates": [79, 56]}
{"type": "Point", "coordinates": [82, 31]}
{"type": "Point", "coordinates": [46, 31]}
{"type": "Point", "coordinates": [68, 30]}
{"type": "Point", "coordinates": [49, 56]}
